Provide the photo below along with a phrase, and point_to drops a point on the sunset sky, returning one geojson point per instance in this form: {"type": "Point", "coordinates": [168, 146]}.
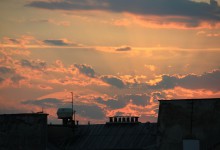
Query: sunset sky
{"type": "Point", "coordinates": [118, 57]}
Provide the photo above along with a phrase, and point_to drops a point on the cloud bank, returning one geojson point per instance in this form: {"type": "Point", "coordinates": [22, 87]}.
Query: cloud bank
{"type": "Point", "coordinates": [181, 11]}
{"type": "Point", "coordinates": [209, 81]}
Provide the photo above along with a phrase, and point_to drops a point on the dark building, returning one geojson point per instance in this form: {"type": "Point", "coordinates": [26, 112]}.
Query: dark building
{"type": "Point", "coordinates": [189, 124]}
{"type": "Point", "coordinates": [26, 131]}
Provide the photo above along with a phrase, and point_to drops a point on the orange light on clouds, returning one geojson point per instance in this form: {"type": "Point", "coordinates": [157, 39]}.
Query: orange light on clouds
{"type": "Point", "coordinates": [182, 93]}
{"type": "Point", "coordinates": [170, 22]}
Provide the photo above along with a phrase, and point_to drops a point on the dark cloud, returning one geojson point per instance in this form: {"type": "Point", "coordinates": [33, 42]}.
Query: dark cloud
{"type": "Point", "coordinates": [127, 48]}
{"type": "Point", "coordinates": [6, 70]}
{"type": "Point", "coordinates": [1, 79]}
{"type": "Point", "coordinates": [190, 9]}
{"type": "Point", "coordinates": [90, 111]}
{"type": "Point", "coordinates": [167, 82]}
{"type": "Point", "coordinates": [122, 101]}
{"type": "Point", "coordinates": [48, 102]}
{"type": "Point", "coordinates": [158, 96]}
{"type": "Point", "coordinates": [209, 81]}
{"type": "Point", "coordinates": [85, 69]}
{"type": "Point", "coordinates": [60, 43]}
{"type": "Point", "coordinates": [56, 42]}
{"type": "Point", "coordinates": [139, 99]}
{"type": "Point", "coordinates": [15, 41]}
{"type": "Point", "coordinates": [214, 3]}
{"type": "Point", "coordinates": [113, 80]}
{"type": "Point", "coordinates": [112, 103]}
{"type": "Point", "coordinates": [9, 73]}
{"type": "Point", "coordinates": [17, 78]}
{"type": "Point", "coordinates": [38, 64]}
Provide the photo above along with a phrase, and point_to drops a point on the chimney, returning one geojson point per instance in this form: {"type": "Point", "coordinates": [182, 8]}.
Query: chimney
{"type": "Point", "coordinates": [127, 119]}
{"type": "Point", "coordinates": [110, 119]}
{"type": "Point", "coordinates": [136, 119]}
{"type": "Point", "coordinates": [115, 119]}
{"type": "Point", "coordinates": [119, 119]}
{"type": "Point", "coordinates": [132, 119]}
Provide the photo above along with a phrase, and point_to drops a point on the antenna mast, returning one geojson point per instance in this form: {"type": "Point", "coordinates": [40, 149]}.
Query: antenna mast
{"type": "Point", "coordinates": [74, 112]}
{"type": "Point", "coordinates": [72, 103]}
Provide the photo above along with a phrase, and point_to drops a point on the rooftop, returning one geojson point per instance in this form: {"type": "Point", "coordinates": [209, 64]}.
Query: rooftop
{"type": "Point", "coordinates": [120, 136]}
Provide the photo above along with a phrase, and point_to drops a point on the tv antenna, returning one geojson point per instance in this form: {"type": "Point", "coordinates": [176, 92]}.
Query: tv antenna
{"type": "Point", "coordinates": [74, 112]}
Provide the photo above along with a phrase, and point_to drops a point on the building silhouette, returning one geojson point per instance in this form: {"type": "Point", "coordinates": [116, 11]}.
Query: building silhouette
{"type": "Point", "coordinates": [27, 131]}
{"type": "Point", "coordinates": [185, 124]}
{"type": "Point", "coordinates": [196, 121]}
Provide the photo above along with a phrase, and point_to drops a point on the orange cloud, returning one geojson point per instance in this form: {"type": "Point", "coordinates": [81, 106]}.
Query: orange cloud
{"type": "Point", "coordinates": [22, 42]}
{"type": "Point", "coordinates": [183, 93]}
{"type": "Point", "coordinates": [170, 22]}
{"type": "Point", "coordinates": [213, 35]}
{"type": "Point", "coordinates": [150, 67]}
{"type": "Point", "coordinates": [45, 87]}
{"type": "Point", "coordinates": [207, 34]}
{"type": "Point", "coordinates": [145, 112]}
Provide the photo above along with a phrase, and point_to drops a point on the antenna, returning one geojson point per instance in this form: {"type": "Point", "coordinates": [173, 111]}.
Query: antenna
{"type": "Point", "coordinates": [191, 119]}
{"type": "Point", "coordinates": [74, 112]}
{"type": "Point", "coordinates": [72, 105]}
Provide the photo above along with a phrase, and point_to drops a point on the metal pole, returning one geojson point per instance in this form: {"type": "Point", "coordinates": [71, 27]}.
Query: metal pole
{"type": "Point", "coordinates": [191, 119]}
{"type": "Point", "coordinates": [72, 104]}
{"type": "Point", "coordinates": [74, 115]}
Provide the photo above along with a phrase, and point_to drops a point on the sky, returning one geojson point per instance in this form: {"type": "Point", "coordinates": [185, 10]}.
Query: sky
{"type": "Point", "coordinates": [118, 57]}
